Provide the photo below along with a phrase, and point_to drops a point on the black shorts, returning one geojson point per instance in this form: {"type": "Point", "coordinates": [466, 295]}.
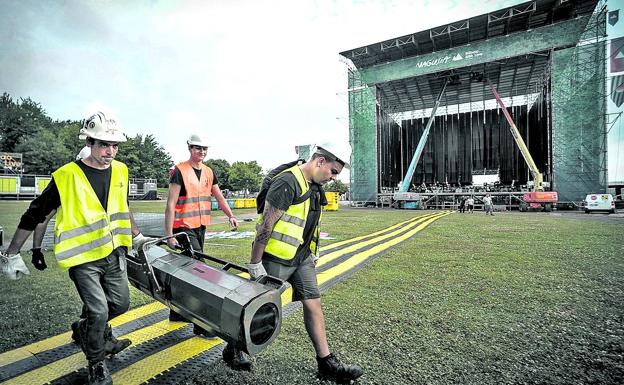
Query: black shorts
{"type": "Point", "coordinates": [301, 277]}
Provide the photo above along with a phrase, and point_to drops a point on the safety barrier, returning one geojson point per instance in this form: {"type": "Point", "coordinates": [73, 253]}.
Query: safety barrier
{"type": "Point", "coordinates": [332, 201]}
{"type": "Point", "coordinates": [23, 185]}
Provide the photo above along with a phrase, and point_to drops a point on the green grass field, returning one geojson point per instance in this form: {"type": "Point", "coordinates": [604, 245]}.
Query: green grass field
{"type": "Point", "coordinates": [512, 299]}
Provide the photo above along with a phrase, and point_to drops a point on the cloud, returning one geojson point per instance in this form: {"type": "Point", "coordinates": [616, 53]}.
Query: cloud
{"type": "Point", "coordinates": [257, 77]}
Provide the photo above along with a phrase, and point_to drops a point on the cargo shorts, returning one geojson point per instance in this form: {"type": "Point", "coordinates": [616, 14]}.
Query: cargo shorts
{"type": "Point", "coordinates": [301, 277]}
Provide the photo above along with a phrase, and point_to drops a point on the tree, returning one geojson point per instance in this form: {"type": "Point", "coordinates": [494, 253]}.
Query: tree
{"type": "Point", "coordinates": [20, 121]}
{"type": "Point", "coordinates": [67, 132]}
{"type": "Point", "coordinates": [146, 158]}
{"type": "Point", "coordinates": [44, 153]}
{"type": "Point", "coordinates": [246, 176]}
{"type": "Point", "coordinates": [221, 169]}
{"type": "Point", "coordinates": [336, 186]}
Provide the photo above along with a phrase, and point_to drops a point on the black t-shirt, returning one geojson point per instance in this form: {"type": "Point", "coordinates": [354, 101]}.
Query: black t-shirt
{"type": "Point", "coordinates": [50, 199]}
{"type": "Point", "coordinates": [176, 177]}
{"type": "Point", "coordinates": [283, 191]}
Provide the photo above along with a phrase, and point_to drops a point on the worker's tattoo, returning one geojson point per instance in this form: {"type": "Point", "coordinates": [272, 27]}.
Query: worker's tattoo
{"type": "Point", "coordinates": [270, 216]}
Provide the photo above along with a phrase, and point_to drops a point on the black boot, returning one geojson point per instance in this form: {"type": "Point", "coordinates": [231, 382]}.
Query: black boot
{"type": "Point", "coordinates": [331, 368]}
{"type": "Point", "coordinates": [112, 345]}
{"type": "Point", "coordinates": [79, 334]}
{"type": "Point", "coordinates": [99, 374]}
{"type": "Point", "coordinates": [235, 358]}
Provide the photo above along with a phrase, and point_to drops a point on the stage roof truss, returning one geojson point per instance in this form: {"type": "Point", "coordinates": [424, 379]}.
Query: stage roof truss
{"type": "Point", "coordinates": [516, 76]}
{"type": "Point", "coordinates": [518, 18]}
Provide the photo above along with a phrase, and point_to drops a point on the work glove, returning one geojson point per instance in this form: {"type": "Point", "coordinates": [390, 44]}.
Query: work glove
{"type": "Point", "coordinates": [139, 240]}
{"type": "Point", "coordinates": [38, 260]}
{"type": "Point", "coordinates": [13, 266]}
{"type": "Point", "coordinates": [256, 270]}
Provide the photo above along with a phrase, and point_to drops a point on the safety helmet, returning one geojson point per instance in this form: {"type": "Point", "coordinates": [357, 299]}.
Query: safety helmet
{"type": "Point", "coordinates": [330, 152]}
{"type": "Point", "coordinates": [84, 153]}
{"type": "Point", "coordinates": [100, 128]}
{"type": "Point", "coordinates": [197, 140]}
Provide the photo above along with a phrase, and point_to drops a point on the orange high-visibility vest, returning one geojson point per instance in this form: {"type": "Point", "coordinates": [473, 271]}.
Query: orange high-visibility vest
{"type": "Point", "coordinates": [193, 210]}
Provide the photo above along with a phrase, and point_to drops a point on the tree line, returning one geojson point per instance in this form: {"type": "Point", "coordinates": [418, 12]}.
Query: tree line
{"type": "Point", "coordinates": [47, 144]}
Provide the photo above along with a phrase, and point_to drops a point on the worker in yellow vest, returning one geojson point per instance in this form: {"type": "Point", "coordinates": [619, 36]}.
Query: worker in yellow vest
{"type": "Point", "coordinates": [191, 186]}
{"type": "Point", "coordinates": [286, 247]}
{"type": "Point", "coordinates": [94, 230]}
{"type": "Point", "coordinates": [38, 259]}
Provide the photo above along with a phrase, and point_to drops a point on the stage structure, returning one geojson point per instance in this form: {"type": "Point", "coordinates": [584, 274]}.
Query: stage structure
{"type": "Point", "coordinates": [546, 58]}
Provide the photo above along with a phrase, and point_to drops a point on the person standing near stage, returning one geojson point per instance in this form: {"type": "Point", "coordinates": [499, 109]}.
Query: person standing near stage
{"type": "Point", "coordinates": [93, 232]}
{"type": "Point", "coordinates": [488, 205]}
{"type": "Point", "coordinates": [470, 204]}
{"type": "Point", "coordinates": [462, 204]}
{"type": "Point", "coordinates": [191, 186]}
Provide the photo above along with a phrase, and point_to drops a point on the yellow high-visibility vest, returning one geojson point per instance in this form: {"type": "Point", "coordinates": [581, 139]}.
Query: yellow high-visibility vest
{"type": "Point", "coordinates": [84, 231]}
{"type": "Point", "coordinates": [287, 233]}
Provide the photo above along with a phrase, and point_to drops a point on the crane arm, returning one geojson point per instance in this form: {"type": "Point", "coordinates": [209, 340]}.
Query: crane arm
{"type": "Point", "coordinates": [407, 179]}
{"type": "Point", "coordinates": [538, 178]}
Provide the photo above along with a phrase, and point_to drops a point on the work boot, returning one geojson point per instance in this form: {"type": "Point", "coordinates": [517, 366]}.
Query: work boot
{"type": "Point", "coordinates": [99, 374]}
{"type": "Point", "coordinates": [331, 368]}
{"type": "Point", "coordinates": [79, 334]}
{"type": "Point", "coordinates": [200, 331]}
{"type": "Point", "coordinates": [112, 345]}
{"type": "Point", "coordinates": [235, 358]}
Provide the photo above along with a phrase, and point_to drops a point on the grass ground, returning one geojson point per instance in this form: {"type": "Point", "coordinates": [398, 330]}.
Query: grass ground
{"type": "Point", "coordinates": [511, 299]}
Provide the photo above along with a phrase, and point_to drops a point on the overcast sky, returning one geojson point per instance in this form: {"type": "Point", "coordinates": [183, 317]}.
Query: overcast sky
{"type": "Point", "coordinates": [257, 77]}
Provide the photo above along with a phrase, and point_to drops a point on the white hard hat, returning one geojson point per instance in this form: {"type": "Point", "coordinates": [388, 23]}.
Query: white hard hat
{"type": "Point", "coordinates": [197, 140]}
{"type": "Point", "coordinates": [84, 153]}
{"type": "Point", "coordinates": [331, 152]}
{"type": "Point", "coordinates": [98, 127]}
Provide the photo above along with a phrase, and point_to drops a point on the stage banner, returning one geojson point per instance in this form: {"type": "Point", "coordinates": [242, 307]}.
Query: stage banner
{"type": "Point", "coordinates": [615, 91]}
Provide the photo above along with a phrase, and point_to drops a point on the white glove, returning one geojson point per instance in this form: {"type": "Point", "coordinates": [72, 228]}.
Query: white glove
{"type": "Point", "coordinates": [256, 270]}
{"type": "Point", "coordinates": [12, 266]}
{"type": "Point", "coordinates": [139, 240]}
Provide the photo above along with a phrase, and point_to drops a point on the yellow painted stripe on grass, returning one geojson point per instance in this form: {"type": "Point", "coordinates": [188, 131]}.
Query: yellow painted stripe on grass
{"type": "Point", "coordinates": [335, 254]}
{"type": "Point", "coordinates": [361, 257]}
{"type": "Point", "coordinates": [163, 360]}
{"type": "Point", "coordinates": [76, 361]}
{"type": "Point", "coordinates": [346, 241]}
{"type": "Point", "coordinates": [157, 363]}
{"type": "Point", "coordinates": [139, 312]}
{"type": "Point", "coordinates": [27, 351]}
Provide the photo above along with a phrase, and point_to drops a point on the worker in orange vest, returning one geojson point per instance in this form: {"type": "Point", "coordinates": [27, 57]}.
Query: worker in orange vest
{"type": "Point", "coordinates": [191, 186]}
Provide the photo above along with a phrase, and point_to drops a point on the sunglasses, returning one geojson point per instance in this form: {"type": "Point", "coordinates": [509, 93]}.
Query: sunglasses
{"type": "Point", "coordinates": [101, 144]}
{"type": "Point", "coordinates": [199, 148]}
{"type": "Point", "coordinates": [334, 171]}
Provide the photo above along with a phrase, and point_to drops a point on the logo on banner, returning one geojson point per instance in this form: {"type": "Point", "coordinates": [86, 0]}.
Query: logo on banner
{"type": "Point", "coordinates": [616, 55]}
{"type": "Point", "coordinates": [614, 16]}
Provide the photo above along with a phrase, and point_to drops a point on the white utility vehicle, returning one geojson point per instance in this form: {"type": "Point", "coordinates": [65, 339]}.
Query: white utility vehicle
{"type": "Point", "coordinates": [599, 202]}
